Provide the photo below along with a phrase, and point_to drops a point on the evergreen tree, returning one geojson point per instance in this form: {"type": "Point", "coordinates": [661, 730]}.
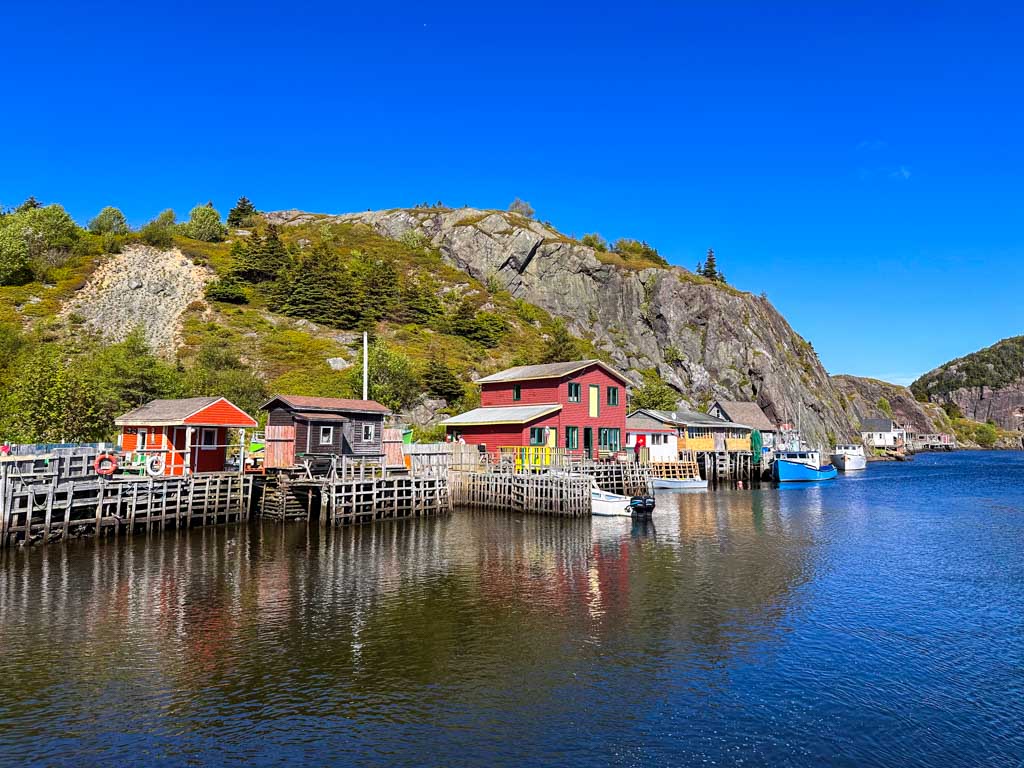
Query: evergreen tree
{"type": "Point", "coordinates": [312, 290]}
{"type": "Point", "coordinates": [561, 346]}
{"type": "Point", "coordinates": [272, 258]}
{"type": "Point", "coordinates": [700, 268]}
{"type": "Point", "coordinates": [28, 205]}
{"type": "Point", "coordinates": [710, 266]}
{"type": "Point", "coordinates": [419, 302]}
{"type": "Point", "coordinates": [239, 215]}
{"type": "Point", "coordinates": [440, 381]}
{"type": "Point", "coordinates": [380, 291]}
{"type": "Point", "coordinates": [655, 394]}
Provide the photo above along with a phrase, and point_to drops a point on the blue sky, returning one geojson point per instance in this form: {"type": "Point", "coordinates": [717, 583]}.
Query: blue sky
{"type": "Point", "coordinates": [861, 164]}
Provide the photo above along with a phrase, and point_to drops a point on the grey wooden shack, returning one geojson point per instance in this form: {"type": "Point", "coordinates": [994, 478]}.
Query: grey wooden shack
{"type": "Point", "coordinates": [299, 426]}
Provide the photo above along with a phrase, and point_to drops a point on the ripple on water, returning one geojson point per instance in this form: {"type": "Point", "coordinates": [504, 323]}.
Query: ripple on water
{"type": "Point", "coordinates": [874, 620]}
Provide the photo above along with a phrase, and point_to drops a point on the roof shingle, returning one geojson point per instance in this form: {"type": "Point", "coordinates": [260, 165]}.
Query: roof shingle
{"type": "Point", "coordinates": [547, 371]}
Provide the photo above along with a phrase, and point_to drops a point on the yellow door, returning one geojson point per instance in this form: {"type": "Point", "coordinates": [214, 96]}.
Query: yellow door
{"type": "Point", "coordinates": [595, 399]}
{"type": "Point", "coordinates": [552, 437]}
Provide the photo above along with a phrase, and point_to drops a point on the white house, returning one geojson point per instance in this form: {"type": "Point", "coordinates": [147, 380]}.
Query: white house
{"type": "Point", "coordinates": [655, 432]}
{"type": "Point", "coordinates": [882, 433]}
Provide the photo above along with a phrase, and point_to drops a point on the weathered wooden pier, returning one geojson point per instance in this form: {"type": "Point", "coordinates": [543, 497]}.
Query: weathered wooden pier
{"type": "Point", "coordinates": [45, 499]}
{"type": "Point", "coordinates": [344, 491]}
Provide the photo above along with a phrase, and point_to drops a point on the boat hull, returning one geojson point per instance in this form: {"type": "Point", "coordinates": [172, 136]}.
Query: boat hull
{"type": "Point", "coordinates": [846, 462]}
{"type": "Point", "coordinates": [604, 504]}
{"type": "Point", "coordinates": [671, 484]}
{"type": "Point", "coordinates": [786, 471]}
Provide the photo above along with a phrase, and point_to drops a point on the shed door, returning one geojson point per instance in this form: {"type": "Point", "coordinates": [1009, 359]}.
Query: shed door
{"type": "Point", "coordinates": [280, 446]}
{"type": "Point", "coordinates": [595, 401]}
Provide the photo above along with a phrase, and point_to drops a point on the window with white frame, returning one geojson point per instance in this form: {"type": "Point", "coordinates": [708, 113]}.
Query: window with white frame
{"type": "Point", "coordinates": [207, 439]}
{"type": "Point", "coordinates": [368, 433]}
{"type": "Point", "coordinates": [326, 435]}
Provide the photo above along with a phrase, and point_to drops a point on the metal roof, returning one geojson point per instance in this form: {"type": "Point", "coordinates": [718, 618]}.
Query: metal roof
{"type": "Point", "coordinates": [169, 412]}
{"type": "Point", "coordinates": [304, 403]}
{"type": "Point", "coordinates": [513, 414]}
{"type": "Point", "coordinates": [747, 412]}
{"type": "Point", "coordinates": [688, 418]}
{"type": "Point", "coordinates": [877, 425]}
{"type": "Point", "coordinates": [548, 371]}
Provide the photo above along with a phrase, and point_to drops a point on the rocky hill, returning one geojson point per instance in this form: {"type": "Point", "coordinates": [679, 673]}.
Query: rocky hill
{"type": "Point", "coordinates": [987, 385]}
{"type": "Point", "coordinates": [873, 399]}
{"type": "Point", "coordinates": [705, 338]}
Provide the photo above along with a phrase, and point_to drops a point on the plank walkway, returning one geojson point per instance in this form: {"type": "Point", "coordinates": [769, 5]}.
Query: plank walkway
{"type": "Point", "coordinates": [96, 506]}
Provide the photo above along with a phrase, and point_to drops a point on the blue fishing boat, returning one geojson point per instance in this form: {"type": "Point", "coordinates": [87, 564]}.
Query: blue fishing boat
{"type": "Point", "coordinates": [801, 467]}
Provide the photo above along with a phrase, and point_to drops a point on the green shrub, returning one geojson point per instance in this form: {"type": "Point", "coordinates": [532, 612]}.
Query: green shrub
{"type": "Point", "coordinates": [226, 289]}
{"type": "Point", "coordinates": [204, 224]}
{"type": "Point", "coordinates": [109, 221]}
{"type": "Point", "coordinates": [160, 231]}
{"type": "Point", "coordinates": [596, 242]}
{"type": "Point", "coordinates": [884, 407]}
{"type": "Point", "coordinates": [14, 262]}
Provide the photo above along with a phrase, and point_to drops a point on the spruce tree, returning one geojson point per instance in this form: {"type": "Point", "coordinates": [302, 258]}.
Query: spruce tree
{"type": "Point", "coordinates": [710, 266]}
{"type": "Point", "coordinates": [273, 257]}
{"type": "Point", "coordinates": [561, 346]}
{"type": "Point", "coordinates": [440, 381]}
{"type": "Point", "coordinates": [312, 290]}
{"type": "Point", "coordinates": [239, 215]}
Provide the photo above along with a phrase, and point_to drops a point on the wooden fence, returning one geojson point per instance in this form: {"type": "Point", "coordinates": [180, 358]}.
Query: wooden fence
{"type": "Point", "coordinates": [542, 494]}
{"type": "Point", "coordinates": [37, 511]}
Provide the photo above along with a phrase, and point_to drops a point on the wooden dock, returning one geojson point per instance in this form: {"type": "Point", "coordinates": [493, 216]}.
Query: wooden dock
{"type": "Point", "coordinates": [67, 507]}
{"type": "Point", "coordinates": [567, 496]}
{"type": "Point", "coordinates": [344, 491]}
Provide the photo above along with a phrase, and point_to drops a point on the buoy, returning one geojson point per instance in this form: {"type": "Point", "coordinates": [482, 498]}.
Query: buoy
{"type": "Point", "coordinates": [155, 466]}
{"type": "Point", "coordinates": [105, 464]}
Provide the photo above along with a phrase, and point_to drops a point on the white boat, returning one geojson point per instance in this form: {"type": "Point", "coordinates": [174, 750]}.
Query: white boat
{"type": "Point", "coordinates": [675, 484]}
{"type": "Point", "coordinates": [849, 458]}
{"type": "Point", "coordinates": [605, 504]}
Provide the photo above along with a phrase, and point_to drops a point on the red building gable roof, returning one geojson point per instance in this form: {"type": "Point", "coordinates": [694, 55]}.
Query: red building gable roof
{"type": "Point", "coordinates": [548, 371]}
{"type": "Point", "coordinates": [200, 411]}
{"type": "Point", "coordinates": [303, 403]}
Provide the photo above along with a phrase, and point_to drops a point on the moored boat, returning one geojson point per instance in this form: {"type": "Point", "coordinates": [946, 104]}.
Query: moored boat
{"type": "Point", "coordinates": [801, 467]}
{"type": "Point", "coordinates": [606, 504]}
{"type": "Point", "coordinates": [849, 458]}
{"type": "Point", "coordinates": [675, 484]}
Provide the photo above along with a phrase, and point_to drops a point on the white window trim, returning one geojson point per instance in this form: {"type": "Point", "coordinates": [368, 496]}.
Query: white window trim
{"type": "Point", "coordinates": [330, 436]}
{"type": "Point", "coordinates": [368, 437]}
{"type": "Point", "coordinates": [210, 445]}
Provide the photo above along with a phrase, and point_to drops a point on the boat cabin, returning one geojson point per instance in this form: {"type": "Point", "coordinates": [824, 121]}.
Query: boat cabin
{"type": "Point", "coordinates": [179, 437]}
{"type": "Point", "coordinates": [299, 426]}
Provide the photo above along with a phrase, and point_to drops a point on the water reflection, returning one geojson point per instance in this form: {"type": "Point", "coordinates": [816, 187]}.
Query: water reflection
{"type": "Point", "coordinates": [478, 637]}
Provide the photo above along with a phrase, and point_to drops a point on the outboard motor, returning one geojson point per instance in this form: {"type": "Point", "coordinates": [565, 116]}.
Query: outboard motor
{"type": "Point", "coordinates": [641, 506]}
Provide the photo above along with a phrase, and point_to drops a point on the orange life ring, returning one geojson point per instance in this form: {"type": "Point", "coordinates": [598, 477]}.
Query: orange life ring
{"type": "Point", "coordinates": [105, 464]}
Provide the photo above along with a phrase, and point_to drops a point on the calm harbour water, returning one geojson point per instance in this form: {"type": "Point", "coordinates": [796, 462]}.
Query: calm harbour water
{"type": "Point", "coordinates": [875, 620]}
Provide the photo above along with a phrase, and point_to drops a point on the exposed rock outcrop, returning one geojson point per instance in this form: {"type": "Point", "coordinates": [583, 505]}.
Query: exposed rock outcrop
{"type": "Point", "coordinates": [987, 385]}
{"type": "Point", "coordinates": [706, 339]}
{"type": "Point", "coordinates": [864, 398]}
{"type": "Point", "coordinates": [141, 287]}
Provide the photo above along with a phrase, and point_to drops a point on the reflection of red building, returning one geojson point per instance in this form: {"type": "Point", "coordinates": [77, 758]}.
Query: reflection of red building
{"type": "Point", "coordinates": [182, 436]}
{"type": "Point", "coordinates": [578, 406]}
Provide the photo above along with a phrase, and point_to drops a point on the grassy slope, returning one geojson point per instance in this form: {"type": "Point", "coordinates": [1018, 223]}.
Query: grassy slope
{"type": "Point", "coordinates": [292, 356]}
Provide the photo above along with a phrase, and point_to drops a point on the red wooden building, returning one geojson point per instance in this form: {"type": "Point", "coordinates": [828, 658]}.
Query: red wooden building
{"type": "Point", "coordinates": [175, 437]}
{"type": "Point", "coordinates": [579, 406]}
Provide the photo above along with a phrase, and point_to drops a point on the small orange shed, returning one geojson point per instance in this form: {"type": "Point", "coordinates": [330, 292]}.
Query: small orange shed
{"type": "Point", "coordinates": [175, 437]}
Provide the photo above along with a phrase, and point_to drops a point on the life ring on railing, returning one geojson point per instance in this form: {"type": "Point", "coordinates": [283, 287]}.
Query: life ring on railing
{"type": "Point", "coordinates": [155, 466]}
{"type": "Point", "coordinates": [105, 464]}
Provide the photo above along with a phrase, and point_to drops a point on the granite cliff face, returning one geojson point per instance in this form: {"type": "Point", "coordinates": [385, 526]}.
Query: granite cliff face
{"type": "Point", "coordinates": [706, 339]}
{"type": "Point", "coordinates": [865, 397]}
{"type": "Point", "coordinates": [986, 385]}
